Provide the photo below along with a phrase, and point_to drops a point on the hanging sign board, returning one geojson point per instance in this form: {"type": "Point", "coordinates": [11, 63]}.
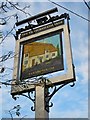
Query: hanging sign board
{"type": "Point", "coordinates": [42, 56]}
{"type": "Point", "coordinates": [40, 53]}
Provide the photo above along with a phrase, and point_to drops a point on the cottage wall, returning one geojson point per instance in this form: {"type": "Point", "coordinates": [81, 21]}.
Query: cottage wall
{"type": "Point", "coordinates": [35, 60]}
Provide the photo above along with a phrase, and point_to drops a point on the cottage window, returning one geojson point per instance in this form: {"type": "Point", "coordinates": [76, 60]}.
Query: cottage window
{"type": "Point", "coordinates": [40, 59]}
{"type": "Point", "coordinates": [47, 51]}
{"type": "Point", "coordinates": [33, 62]}
{"type": "Point", "coordinates": [25, 62]}
{"type": "Point", "coordinates": [53, 54]}
{"type": "Point", "coordinates": [47, 56]}
{"type": "Point", "coordinates": [26, 55]}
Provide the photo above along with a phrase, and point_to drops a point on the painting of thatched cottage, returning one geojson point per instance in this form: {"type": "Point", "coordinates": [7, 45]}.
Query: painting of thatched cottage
{"type": "Point", "coordinates": [36, 53]}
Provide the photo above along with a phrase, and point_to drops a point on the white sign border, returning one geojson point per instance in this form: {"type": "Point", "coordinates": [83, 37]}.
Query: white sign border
{"type": "Point", "coordinates": [68, 76]}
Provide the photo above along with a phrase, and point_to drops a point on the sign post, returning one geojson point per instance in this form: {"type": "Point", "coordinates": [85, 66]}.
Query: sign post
{"type": "Point", "coordinates": [40, 111]}
{"type": "Point", "coordinates": [42, 49]}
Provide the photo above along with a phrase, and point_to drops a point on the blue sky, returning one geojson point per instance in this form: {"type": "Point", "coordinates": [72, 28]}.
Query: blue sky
{"type": "Point", "coordinates": [68, 102]}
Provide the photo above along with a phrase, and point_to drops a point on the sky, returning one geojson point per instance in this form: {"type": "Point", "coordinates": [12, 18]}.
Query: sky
{"type": "Point", "coordinates": [69, 102]}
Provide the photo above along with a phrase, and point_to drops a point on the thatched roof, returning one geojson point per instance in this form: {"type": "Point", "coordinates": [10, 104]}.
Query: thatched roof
{"type": "Point", "coordinates": [38, 48]}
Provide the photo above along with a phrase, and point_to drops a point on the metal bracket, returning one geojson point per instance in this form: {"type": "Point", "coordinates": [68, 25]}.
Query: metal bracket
{"type": "Point", "coordinates": [51, 20]}
{"type": "Point", "coordinates": [49, 96]}
{"type": "Point", "coordinates": [42, 82]}
{"type": "Point", "coordinates": [32, 99]}
{"type": "Point", "coordinates": [31, 27]}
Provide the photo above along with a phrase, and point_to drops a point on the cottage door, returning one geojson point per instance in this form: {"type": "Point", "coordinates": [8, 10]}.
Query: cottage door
{"type": "Point", "coordinates": [33, 62]}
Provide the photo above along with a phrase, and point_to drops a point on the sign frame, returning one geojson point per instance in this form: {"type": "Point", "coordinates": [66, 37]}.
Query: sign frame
{"type": "Point", "coordinates": [56, 80]}
{"type": "Point", "coordinates": [40, 55]}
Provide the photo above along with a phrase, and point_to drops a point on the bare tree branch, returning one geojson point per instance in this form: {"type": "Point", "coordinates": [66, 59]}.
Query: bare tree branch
{"type": "Point", "coordinates": [22, 10]}
{"type": "Point", "coordinates": [8, 34]}
{"type": "Point", "coordinates": [5, 18]}
{"type": "Point", "coordinates": [3, 6]}
{"type": "Point", "coordinates": [10, 114]}
{"type": "Point", "coordinates": [9, 55]}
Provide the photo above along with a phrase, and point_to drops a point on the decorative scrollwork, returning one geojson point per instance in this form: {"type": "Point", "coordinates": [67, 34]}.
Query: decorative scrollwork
{"type": "Point", "coordinates": [72, 84]}
{"type": "Point", "coordinates": [49, 96]}
{"type": "Point", "coordinates": [32, 99]}
{"type": "Point", "coordinates": [14, 97]}
{"type": "Point", "coordinates": [50, 105]}
{"type": "Point", "coordinates": [33, 108]}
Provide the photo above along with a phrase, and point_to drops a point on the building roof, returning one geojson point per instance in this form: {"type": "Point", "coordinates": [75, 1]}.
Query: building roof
{"type": "Point", "coordinates": [38, 48]}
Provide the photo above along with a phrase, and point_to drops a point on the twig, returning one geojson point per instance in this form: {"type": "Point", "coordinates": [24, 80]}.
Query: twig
{"type": "Point", "coordinates": [11, 114]}
{"type": "Point", "coordinates": [22, 10]}
{"type": "Point", "coordinates": [7, 34]}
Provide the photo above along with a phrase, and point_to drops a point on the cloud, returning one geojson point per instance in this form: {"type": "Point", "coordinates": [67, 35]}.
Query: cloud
{"type": "Point", "coordinates": [69, 108]}
{"type": "Point", "coordinates": [83, 70]}
{"type": "Point", "coordinates": [24, 103]}
{"type": "Point", "coordinates": [69, 114]}
{"type": "Point", "coordinates": [80, 47]}
{"type": "Point", "coordinates": [70, 102]}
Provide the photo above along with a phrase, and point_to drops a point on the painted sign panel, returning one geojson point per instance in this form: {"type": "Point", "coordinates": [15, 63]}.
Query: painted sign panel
{"type": "Point", "coordinates": [41, 53]}
{"type": "Point", "coordinates": [42, 56]}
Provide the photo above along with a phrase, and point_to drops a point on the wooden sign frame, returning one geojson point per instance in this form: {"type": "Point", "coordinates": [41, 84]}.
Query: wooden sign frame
{"type": "Point", "coordinates": [56, 80]}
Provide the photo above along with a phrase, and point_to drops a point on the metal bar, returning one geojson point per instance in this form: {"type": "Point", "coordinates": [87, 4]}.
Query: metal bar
{"type": "Point", "coordinates": [37, 16]}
